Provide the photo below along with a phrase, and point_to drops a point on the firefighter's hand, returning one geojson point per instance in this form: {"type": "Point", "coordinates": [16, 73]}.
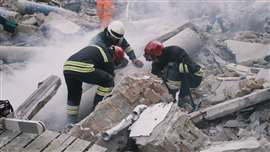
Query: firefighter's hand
{"type": "Point", "coordinates": [138, 63]}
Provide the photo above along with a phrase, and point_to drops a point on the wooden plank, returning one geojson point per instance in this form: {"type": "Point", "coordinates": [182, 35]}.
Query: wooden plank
{"type": "Point", "coordinates": [230, 106]}
{"type": "Point", "coordinates": [7, 136]}
{"type": "Point", "coordinates": [60, 144]}
{"type": "Point", "coordinates": [38, 98]}
{"type": "Point", "coordinates": [17, 144]}
{"type": "Point", "coordinates": [78, 146]}
{"type": "Point", "coordinates": [41, 142]}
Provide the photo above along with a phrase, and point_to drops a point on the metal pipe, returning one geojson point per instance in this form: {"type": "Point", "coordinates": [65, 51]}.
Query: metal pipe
{"type": "Point", "coordinates": [124, 123]}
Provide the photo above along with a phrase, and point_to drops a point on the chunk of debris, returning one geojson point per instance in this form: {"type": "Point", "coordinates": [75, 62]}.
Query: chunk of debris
{"type": "Point", "coordinates": [149, 119]}
{"type": "Point", "coordinates": [231, 106]}
{"type": "Point", "coordinates": [29, 7]}
{"type": "Point", "coordinates": [188, 40]}
{"type": "Point", "coordinates": [133, 90]}
{"type": "Point", "coordinates": [248, 145]}
{"type": "Point", "coordinates": [244, 51]}
{"type": "Point", "coordinates": [175, 133]}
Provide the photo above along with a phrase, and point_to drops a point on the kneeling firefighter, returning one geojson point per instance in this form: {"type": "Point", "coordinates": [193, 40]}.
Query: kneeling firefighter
{"type": "Point", "coordinates": [175, 67]}
{"type": "Point", "coordinates": [94, 65]}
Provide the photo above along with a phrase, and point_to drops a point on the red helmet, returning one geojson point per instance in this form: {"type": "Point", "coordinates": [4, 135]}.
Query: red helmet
{"type": "Point", "coordinates": [153, 50]}
{"type": "Point", "coordinates": [118, 54]}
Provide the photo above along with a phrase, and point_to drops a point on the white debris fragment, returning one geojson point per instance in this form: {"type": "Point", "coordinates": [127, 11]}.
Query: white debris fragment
{"type": "Point", "coordinates": [149, 119]}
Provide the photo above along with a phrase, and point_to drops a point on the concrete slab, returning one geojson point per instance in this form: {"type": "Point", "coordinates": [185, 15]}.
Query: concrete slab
{"type": "Point", "coordinates": [245, 51]}
{"type": "Point", "coordinates": [149, 119]}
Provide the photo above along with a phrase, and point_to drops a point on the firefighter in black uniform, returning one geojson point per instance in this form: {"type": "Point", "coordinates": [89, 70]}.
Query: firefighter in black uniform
{"type": "Point", "coordinates": [92, 65]}
{"type": "Point", "coordinates": [114, 35]}
{"type": "Point", "coordinates": [173, 64]}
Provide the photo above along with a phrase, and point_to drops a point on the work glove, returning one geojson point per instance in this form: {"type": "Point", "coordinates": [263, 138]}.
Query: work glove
{"type": "Point", "coordinates": [138, 63]}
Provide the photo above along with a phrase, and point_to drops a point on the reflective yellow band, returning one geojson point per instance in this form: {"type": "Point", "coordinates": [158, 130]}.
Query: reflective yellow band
{"type": "Point", "coordinates": [72, 110]}
{"type": "Point", "coordinates": [128, 49]}
{"type": "Point", "coordinates": [104, 89]}
{"type": "Point", "coordinates": [78, 69]}
{"type": "Point", "coordinates": [199, 73]}
{"type": "Point", "coordinates": [101, 93]}
{"type": "Point", "coordinates": [178, 83]}
{"type": "Point", "coordinates": [79, 64]}
{"type": "Point", "coordinates": [183, 68]}
{"type": "Point", "coordinates": [102, 53]}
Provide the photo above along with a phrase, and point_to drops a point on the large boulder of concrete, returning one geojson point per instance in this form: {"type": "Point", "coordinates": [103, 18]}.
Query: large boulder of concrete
{"type": "Point", "coordinates": [132, 90]}
{"type": "Point", "coordinates": [174, 134]}
{"type": "Point", "coordinates": [188, 40]}
{"type": "Point", "coordinates": [245, 51]}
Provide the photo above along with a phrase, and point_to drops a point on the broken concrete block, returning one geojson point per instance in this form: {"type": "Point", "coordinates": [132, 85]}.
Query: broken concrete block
{"type": "Point", "coordinates": [149, 119]}
{"type": "Point", "coordinates": [250, 144]}
{"type": "Point", "coordinates": [245, 51]}
{"type": "Point", "coordinates": [112, 110]}
{"type": "Point", "coordinates": [175, 133]}
{"type": "Point", "coordinates": [188, 40]}
{"type": "Point", "coordinates": [226, 90]}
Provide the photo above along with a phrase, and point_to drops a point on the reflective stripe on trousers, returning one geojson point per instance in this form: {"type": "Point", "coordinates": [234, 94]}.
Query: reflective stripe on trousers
{"type": "Point", "coordinates": [103, 91]}
{"type": "Point", "coordinates": [72, 110]}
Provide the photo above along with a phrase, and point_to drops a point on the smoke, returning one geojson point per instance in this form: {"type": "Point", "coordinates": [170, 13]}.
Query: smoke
{"type": "Point", "coordinates": [144, 20]}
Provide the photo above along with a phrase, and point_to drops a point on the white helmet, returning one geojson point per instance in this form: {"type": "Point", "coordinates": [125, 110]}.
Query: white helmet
{"type": "Point", "coordinates": [116, 29]}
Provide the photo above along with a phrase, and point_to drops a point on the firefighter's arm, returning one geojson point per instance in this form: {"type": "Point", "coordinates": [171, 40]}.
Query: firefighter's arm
{"type": "Point", "coordinates": [157, 69]}
{"type": "Point", "coordinates": [130, 52]}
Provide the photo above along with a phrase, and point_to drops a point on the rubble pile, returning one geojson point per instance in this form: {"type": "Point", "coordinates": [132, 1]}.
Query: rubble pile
{"type": "Point", "coordinates": [25, 23]}
{"type": "Point", "coordinates": [234, 94]}
{"type": "Point", "coordinates": [133, 90]}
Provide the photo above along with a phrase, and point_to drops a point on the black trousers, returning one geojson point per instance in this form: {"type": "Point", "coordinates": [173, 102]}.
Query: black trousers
{"type": "Point", "coordinates": [74, 82]}
{"type": "Point", "coordinates": [183, 81]}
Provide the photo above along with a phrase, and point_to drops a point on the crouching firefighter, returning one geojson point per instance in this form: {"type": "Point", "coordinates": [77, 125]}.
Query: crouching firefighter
{"type": "Point", "coordinates": [94, 65]}
{"type": "Point", "coordinates": [176, 69]}
{"type": "Point", "coordinates": [113, 34]}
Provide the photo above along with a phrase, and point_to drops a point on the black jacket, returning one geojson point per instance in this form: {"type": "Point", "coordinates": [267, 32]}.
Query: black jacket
{"type": "Point", "coordinates": [176, 55]}
{"type": "Point", "coordinates": [102, 39]}
{"type": "Point", "coordinates": [93, 55]}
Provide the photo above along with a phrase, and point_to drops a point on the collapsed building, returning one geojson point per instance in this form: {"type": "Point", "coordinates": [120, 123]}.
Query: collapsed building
{"type": "Point", "coordinates": [234, 94]}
